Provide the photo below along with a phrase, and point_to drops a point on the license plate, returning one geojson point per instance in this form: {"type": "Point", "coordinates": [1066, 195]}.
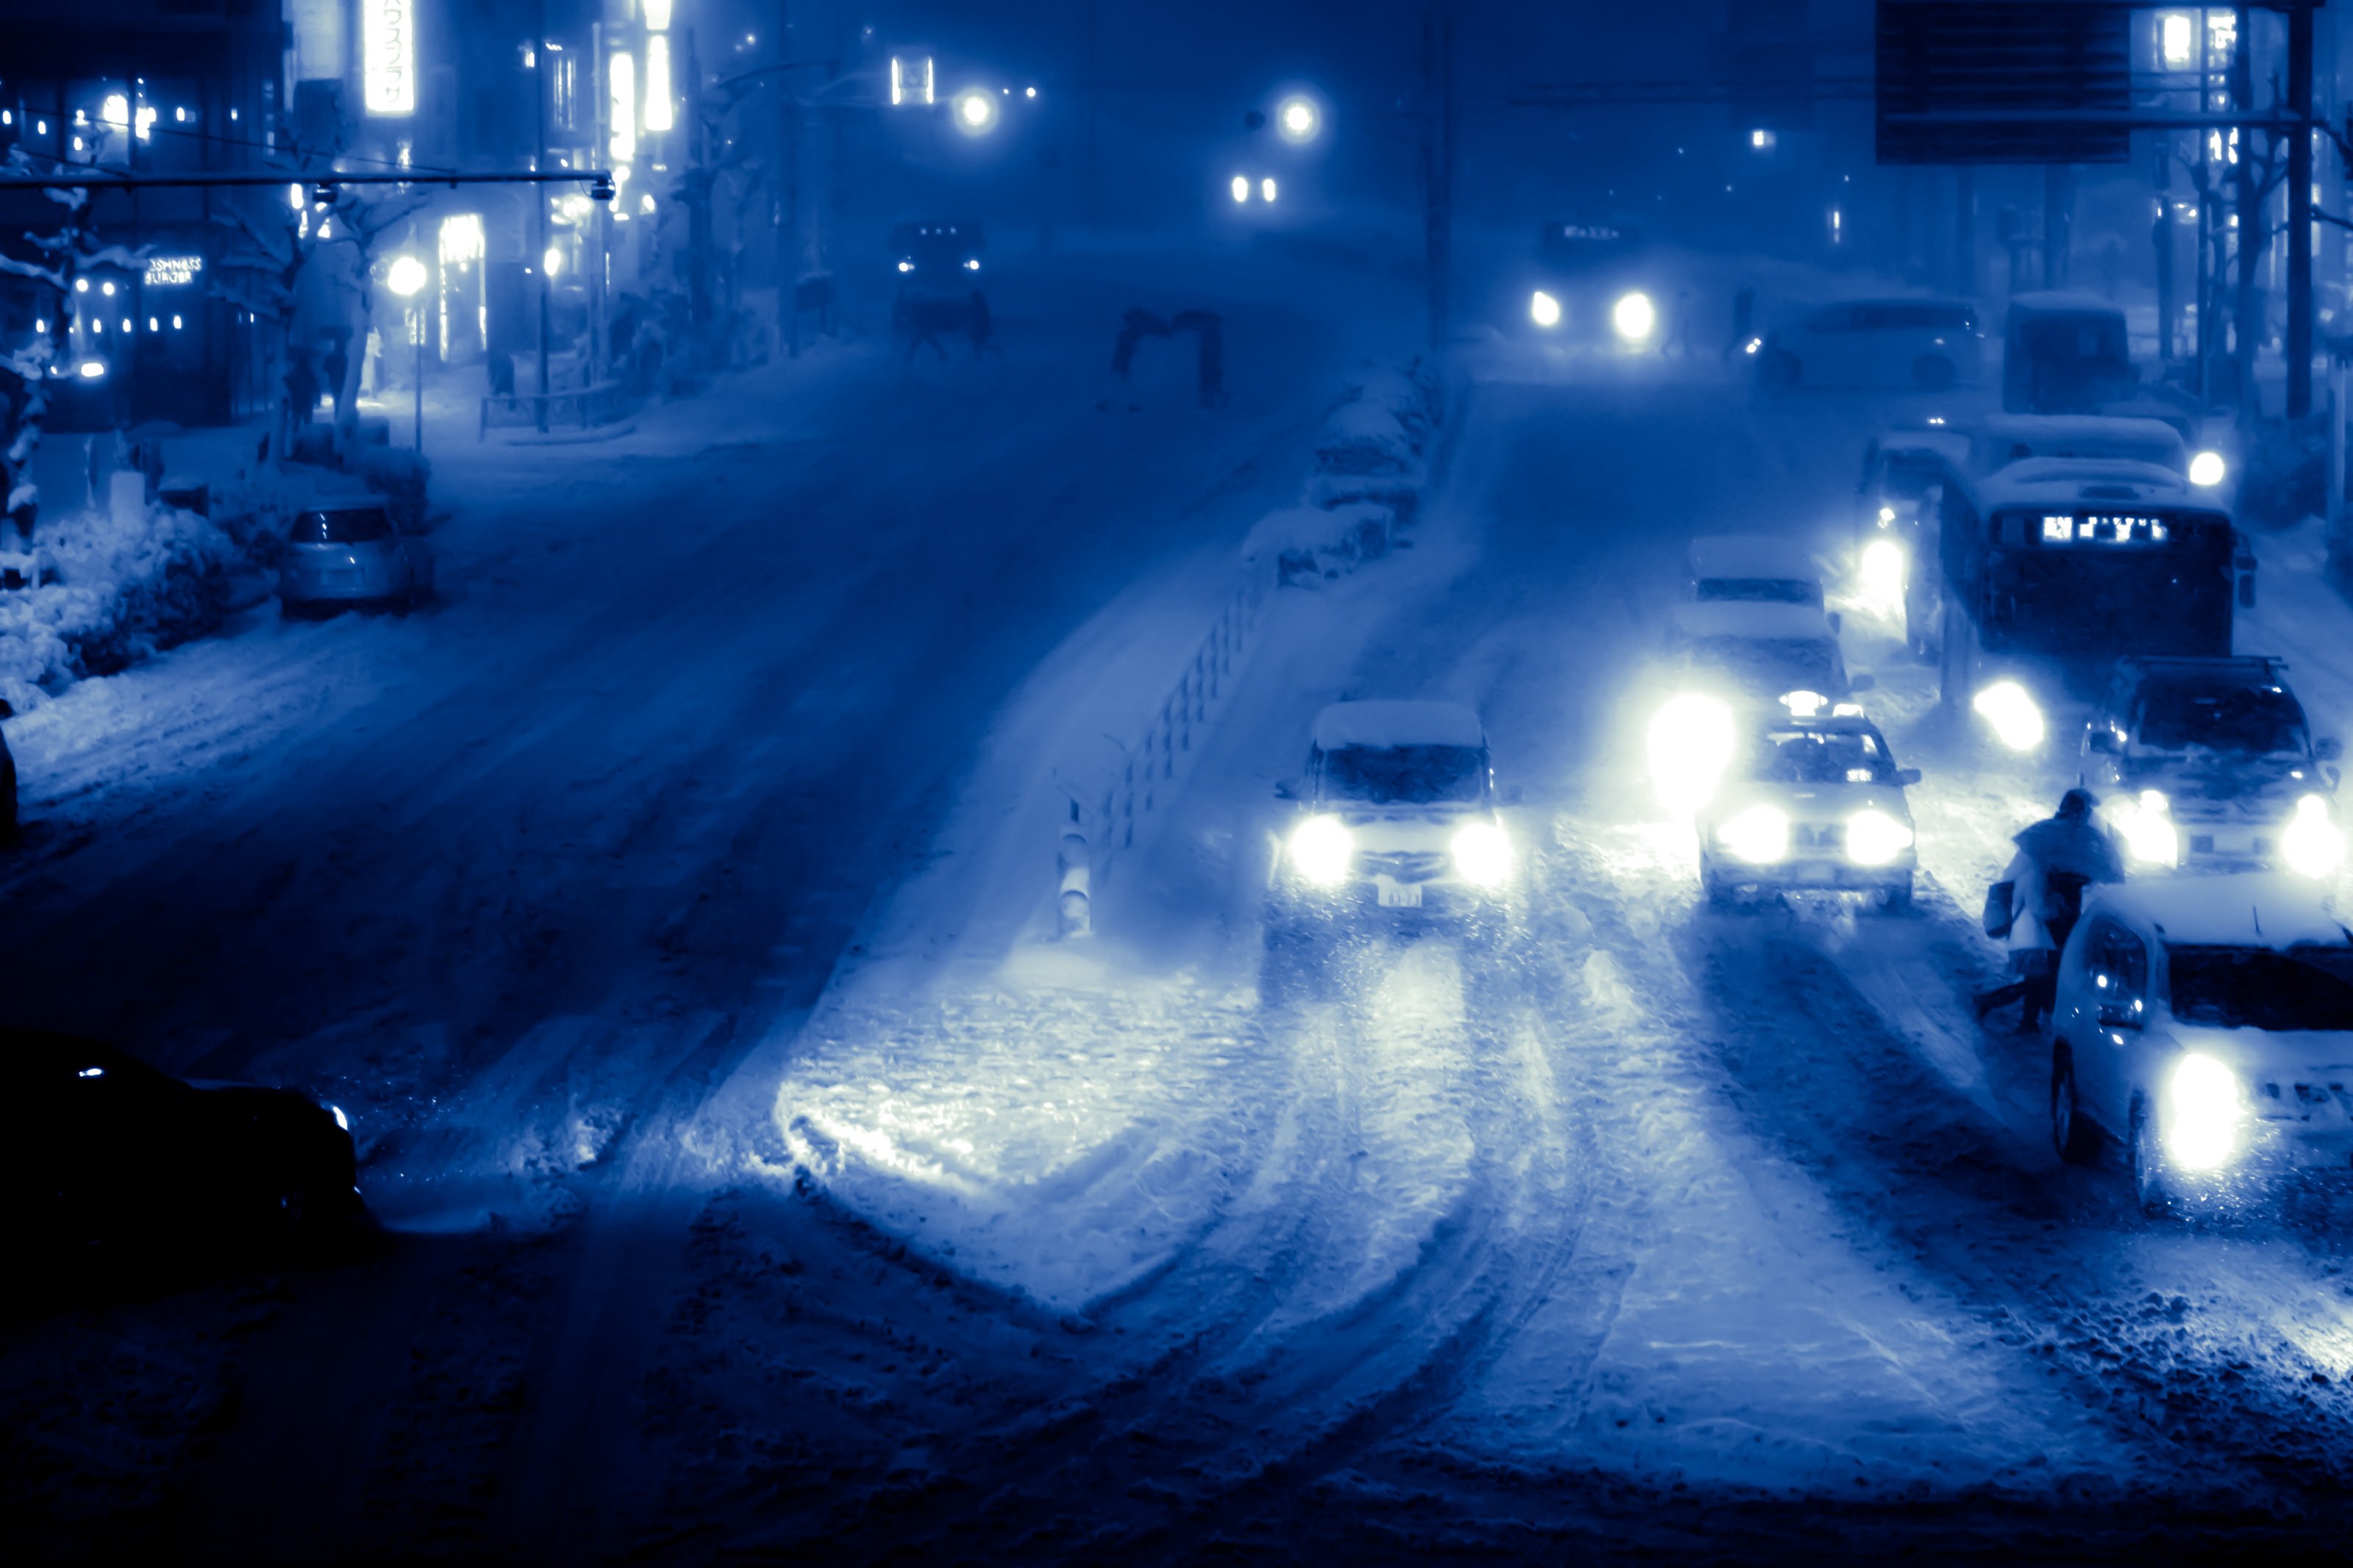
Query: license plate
{"type": "Point", "coordinates": [1400, 895]}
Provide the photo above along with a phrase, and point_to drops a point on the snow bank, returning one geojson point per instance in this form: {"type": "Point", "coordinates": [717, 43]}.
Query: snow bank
{"type": "Point", "coordinates": [1371, 467]}
{"type": "Point", "coordinates": [117, 589]}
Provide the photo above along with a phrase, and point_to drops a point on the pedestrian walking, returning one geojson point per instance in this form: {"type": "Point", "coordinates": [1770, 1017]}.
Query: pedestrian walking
{"type": "Point", "coordinates": [2036, 904]}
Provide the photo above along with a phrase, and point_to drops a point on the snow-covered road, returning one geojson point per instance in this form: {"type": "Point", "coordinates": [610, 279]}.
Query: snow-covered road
{"type": "Point", "coordinates": [886, 1228]}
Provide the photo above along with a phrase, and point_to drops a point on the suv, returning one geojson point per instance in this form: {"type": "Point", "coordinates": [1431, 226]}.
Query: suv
{"type": "Point", "coordinates": [2209, 764]}
{"type": "Point", "coordinates": [1396, 817]}
{"type": "Point", "coordinates": [2209, 1027]}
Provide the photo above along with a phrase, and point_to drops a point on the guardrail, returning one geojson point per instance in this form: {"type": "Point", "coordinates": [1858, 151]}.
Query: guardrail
{"type": "Point", "coordinates": [1100, 823]}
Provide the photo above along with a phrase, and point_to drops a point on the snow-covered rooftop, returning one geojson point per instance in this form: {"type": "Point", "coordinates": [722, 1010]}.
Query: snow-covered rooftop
{"type": "Point", "coordinates": [1750, 556]}
{"type": "Point", "coordinates": [1750, 618]}
{"type": "Point", "coordinates": [2072, 481]}
{"type": "Point", "coordinates": [2256, 909]}
{"type": "Point", "coordinates": [1398, 724]}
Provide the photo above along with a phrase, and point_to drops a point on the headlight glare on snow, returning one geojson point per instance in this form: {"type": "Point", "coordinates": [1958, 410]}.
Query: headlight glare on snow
{"type": "Point", "coordinates": [1483, 853]}
{"type": "Point", "coordinates": [1322, 847]}
{"type": "Point", "coordinates": [1882, 575]}
{"type": "Point", "coordinates": [2016, 719]}
{"type": "Point", "coordinates": [2202, 1110]}
{"type": "Point", "coordinates": [2313, 846]}
{"type": "Point", "coordinates": [1691, 743]}
{"type": "Point", "coordinates": [1543, 310]}
{"type": "Point", "coordinates": [1875, 838]}
{"type": "Point", "coordinates": [2205, 469]}
{"type": "Point", "coordinates": [1759, 835]}
{"type": "Point", "coordinates": [1634, 316]}
{"type": "Point", "coordinates": [2146, 824]}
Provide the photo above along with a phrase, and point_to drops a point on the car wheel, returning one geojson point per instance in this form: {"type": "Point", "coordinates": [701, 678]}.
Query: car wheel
{"type": "Point", "coordinates": [1896, 898]}
{"type": "Point", "coordinates": [1932, 373]}
{"type": "Point", "coordinates": [2148, 1167]}
{"type": "Point", "coordinates": [2074, 1137]}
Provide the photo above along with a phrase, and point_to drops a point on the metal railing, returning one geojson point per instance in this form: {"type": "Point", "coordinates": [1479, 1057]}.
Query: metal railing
{"type": "Point", "coordinates": [1100, 823]}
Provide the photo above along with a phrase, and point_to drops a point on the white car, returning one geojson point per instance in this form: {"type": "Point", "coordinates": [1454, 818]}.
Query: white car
{"type": "Point", "coordinates": [1753, 568]}
{"type": "Point", "coordinates": [1814, 802]}
{"type": "Point", "coordinates": [1398, 818]}
{"type": "Point", "coordinates": [1930, 344]}
{"type": "Point", "coordinates": [2207, 1026]}
{"type": "Point", "coordinates": [1759, 652]}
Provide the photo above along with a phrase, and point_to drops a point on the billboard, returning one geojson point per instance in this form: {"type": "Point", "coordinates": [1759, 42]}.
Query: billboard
{"type": "Point", "coordinates": [1998, 81]}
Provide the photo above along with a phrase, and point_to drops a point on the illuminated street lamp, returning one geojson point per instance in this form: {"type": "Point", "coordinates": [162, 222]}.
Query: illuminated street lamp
{"type": "Point", "coordinates": [1298, 120]}
{"type": "Point", "coordinates": [404, 278]}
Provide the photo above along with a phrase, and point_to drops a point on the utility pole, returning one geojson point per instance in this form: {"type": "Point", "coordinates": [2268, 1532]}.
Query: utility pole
{"type": "Point", "coordinates": [600, 100]}
{"type": "Point", "coordinates": [1438, 161]}
{"type": "Point", "coordinates": [540, 66]}
{"type": "Point", "coordinates": [2299, 214]}
{"type": "Point", "coordinates": [2246, 311]}
{"type": "Point", "coordinates": [789, 259]}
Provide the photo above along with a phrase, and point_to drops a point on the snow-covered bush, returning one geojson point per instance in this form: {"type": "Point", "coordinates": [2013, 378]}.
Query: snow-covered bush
{"type": "Point", "coordinates": [1306, 542]}
{"type": "Point", "coordinates": [400, 475]}
{"type": "Point", "coordinates": [1410, 395]}
{"type": "Point", "coordinates": [1364, 438]}
{"type": "Point", "coordinates": [114, 590]}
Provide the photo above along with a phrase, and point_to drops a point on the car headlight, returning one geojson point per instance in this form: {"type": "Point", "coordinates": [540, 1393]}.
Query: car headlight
{"type": "Point", "coordinates": [2313, 846]}
{"type": "Point", "coordinates": [2205, 469]}
{"type": "Point", "coordinates": [1543, 310]}
{"type": "Point", "coordinates": [2146, 827]}
{"type": "Point", "coordinates": [1483, 853]}
{"type": "Point", "coordinates": [1875, 838]}
{"type": "Point", "coordinates": [1759, 835]}
{"type": "Point", "coordinates": [2202, 1108]}
{"type": "Point", "coordinates": [1690, 746]}
{"type": "Point", "coordinates": [1322, 847]}
{"type": "Point", "coordinates": [2017, 721]}
{"type": "Point", "coordinates": [1886, 515]}
{"type": "Point", "coordinates": [1634, 316]}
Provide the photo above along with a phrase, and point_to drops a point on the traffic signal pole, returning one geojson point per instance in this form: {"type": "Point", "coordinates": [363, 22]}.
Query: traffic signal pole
{"type": "Point", "coordinates": [2299, 216]}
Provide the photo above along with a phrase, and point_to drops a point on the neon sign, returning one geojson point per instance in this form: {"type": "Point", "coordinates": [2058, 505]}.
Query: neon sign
{"type": "Point", "coordinates": [2104, 530]}
{"type": "Point", "coordinates": [172, 271]}
{"type": "Point", "coordinates": [388, 33]}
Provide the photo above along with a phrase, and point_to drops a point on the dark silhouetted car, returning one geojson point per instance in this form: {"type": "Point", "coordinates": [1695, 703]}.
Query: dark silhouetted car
{"type": "Point", "coordinates": [351, 552]}
{"type": "Point", "coordinates": [7, 786]}
{"type": "Point", "coordinates": [108, 1156]}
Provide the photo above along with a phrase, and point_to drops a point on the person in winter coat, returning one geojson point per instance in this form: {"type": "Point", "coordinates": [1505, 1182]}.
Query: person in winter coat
{"type": "Point", "coordinates": [2057, 858]}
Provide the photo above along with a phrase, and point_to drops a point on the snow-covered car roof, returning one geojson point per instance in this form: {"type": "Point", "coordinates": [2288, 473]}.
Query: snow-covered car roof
{"type": "Point", "coordinates": [1385, 724]}
{"type": "Point", "coordinates": [1751, 618]}
{"type": "Point", "coordinates": [2072, 481]}
{"type": "Point", "coordinates": [2257, 909]}
{"type": "Point", "coordinates": [2091, 435]}
{"type": "Point", "coordinates": [1941, 441]}
{"type": "Point", "coordinates": [1750, 556]}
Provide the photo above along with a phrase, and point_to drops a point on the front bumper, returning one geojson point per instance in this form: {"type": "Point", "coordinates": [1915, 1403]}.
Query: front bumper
{"type": "Point", "coordinates": [1439, 900]}
{"type": "Point", "coordinates": [1825, 873]}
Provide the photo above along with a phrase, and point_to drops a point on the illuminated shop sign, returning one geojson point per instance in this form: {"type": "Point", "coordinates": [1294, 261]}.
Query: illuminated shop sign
{"type": "Point", "coordinates": [2104, 530]}
{"type": "Point", "coordinates": [388, 35]}
{"type": "Point", "coordinates": [172, 271]}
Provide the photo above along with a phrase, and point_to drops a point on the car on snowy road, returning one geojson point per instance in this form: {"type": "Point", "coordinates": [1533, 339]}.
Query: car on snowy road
{"type": "Point", "coordinates": [1397, 817]}
{"type": "Point", "coordinates": [1927, 345]}
{"type": "Point", "coordinates": [2206, 1026]}
{"type": "Point", "coordinates": [2209, 764]}
{"type": "Point", "coordinates": [1753, 568]}
{"type": "Point", "coordinates": [108, 1152]}
{"type": "Point", "coordinates": [1756, 653]}
{"type": "Point", "coordinates": [1813, 802]}
{"type": "Point", "coordinates": [349, 552]}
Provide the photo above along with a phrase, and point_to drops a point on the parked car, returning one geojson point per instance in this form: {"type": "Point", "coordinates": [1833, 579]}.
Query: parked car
{"type": "Point", "coordinates": [106, 1152]}
{"type": "Point", "coordinates": [1928, 344]}
{"type": "Point", "coordinates": [1811, 803]}
{"type": "Point", "coordinates": [2206, 1025]}
{"type": "Point", "coordinates": [351, 553]}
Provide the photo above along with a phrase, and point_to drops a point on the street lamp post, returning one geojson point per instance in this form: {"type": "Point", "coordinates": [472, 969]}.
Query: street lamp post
{"type": "Point", "coordinates": [406, 277]}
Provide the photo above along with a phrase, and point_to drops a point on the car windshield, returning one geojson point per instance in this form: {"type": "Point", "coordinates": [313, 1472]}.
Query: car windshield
{"type": "Point", "coordinates": [2306, 987]}
{"type": "Point", "coordinates": [1824, 756]}
{"type": "Point", "coordinates": [1911, 475]}
{"type": "Point", "coordinates": [1774, 665]}
{"type": "Point", "coordinates": [2222, 716]}
{"type": "Point", "coordinates": [347, 525]}
{"type": "Point", "coordinates": [1762, 590]}
{"type": "Point", "coordinates": [1405, 775]}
